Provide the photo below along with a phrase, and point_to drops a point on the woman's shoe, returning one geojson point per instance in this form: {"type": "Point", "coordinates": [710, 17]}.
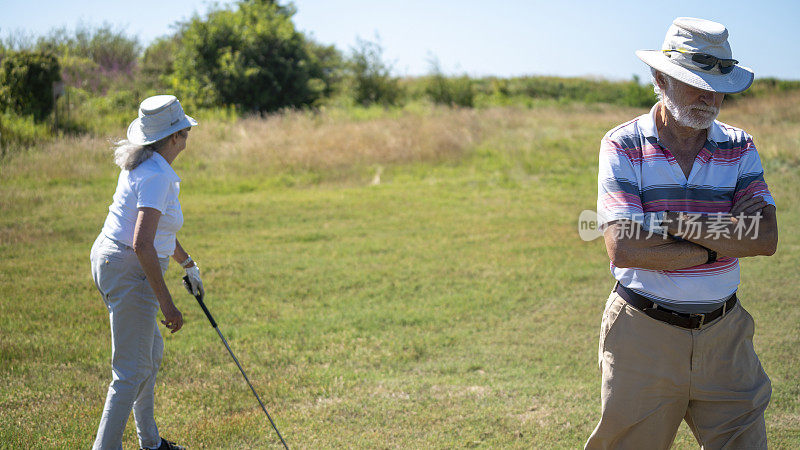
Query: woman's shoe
{"type": "Point", "coordinates": [168, 445]}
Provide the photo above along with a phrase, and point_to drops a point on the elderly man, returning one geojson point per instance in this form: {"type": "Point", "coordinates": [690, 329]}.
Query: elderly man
{"type": "Point", "coordinates": [681, 198]}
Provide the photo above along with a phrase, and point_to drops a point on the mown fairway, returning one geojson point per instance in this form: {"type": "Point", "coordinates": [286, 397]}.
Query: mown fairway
{"type": "Point", "coordinates": [450, 305]}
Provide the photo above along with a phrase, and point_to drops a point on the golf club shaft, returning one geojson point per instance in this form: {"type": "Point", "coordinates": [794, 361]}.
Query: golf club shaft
{"type": "Point", "coordinates": [251, 386]}
{"type": "Point", "coordinates": [236, 360]}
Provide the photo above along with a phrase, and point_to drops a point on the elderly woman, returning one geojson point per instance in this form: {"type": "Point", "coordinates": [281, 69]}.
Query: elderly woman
{"type": "Point", "coordinates": [129, 259]}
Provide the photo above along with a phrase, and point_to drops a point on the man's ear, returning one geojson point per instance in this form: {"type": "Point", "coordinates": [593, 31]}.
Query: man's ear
{"type": "Point", "coordinates": [660, 80]}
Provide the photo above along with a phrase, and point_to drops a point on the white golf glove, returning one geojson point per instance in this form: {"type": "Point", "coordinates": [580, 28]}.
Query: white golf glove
{"type": "Point", "coordinates": [195, 285]}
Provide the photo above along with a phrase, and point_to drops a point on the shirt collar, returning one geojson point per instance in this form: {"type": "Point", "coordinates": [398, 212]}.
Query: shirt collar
{"type": "Point", "coordinates": [647, 124]}
{"type": "Point", "coordinates": [716, 133]}
{"type": "Point", "coordinates": [164, 165]}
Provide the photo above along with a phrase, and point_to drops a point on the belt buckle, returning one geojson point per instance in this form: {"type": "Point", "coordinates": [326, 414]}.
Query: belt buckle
{"type": "Point", "coordinates": [702, 320]}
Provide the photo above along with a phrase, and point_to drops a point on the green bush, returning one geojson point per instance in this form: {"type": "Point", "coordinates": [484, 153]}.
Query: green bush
{"type": "Point", "coordinates": [251, 57]}
{"type": "Point", "coordinates": [81, 72]}
{"type": "Point", "coordinates": [456, 91]}
{"type": "Point", "coordinates": [26, 83]}
{"type": "Point", "coordinates": [765, 86]}
{"type": "Point", "coordinates": [527, 90]}
{"type": "Point", "coordinates": [636, 94]}
{"type": "Point", "coordinates": [100, 115]}
{"type": "Point", "coordinates": [94, 59]}
{"type": "Point", "coordinates": [158, 61]}
{"type": "Point", "coordinates": [370, 77]}
{"type": "Point", "coordinates": [17, 132]}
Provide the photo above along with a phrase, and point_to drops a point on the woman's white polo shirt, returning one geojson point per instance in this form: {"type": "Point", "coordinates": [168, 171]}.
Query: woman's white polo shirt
{"type": "Point", "coordinates": [152, 184]}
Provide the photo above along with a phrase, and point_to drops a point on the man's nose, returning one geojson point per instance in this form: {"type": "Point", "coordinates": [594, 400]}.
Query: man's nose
{"type": "Point", "coordinates": [707, 97]}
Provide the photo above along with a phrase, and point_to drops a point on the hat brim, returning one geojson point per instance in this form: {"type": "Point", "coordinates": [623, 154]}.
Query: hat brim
{"type": "Point", "coordinates": [137, 136]}
{"type": "Point", "coordinates": [739, 79]}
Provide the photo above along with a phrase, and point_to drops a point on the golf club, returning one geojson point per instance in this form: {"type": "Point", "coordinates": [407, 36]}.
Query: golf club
{"type": "Point", "coordinates": [214, 324]}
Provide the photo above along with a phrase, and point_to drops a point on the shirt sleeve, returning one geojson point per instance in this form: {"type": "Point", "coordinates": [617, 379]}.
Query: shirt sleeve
{"type": "Point", "coordinates": [751, 175]}
{"type": "Point", "coordinates": [153, 191]}
{"type": "Point", "coordinates": [618, 186]}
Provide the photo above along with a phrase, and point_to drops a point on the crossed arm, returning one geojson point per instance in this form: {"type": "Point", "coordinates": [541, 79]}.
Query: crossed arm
{"type": "Point", "coordinates": [652, 251]}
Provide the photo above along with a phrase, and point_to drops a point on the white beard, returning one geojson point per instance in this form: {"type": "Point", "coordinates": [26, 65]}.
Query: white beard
{"type": "Point", "coordinates": [699, 117]}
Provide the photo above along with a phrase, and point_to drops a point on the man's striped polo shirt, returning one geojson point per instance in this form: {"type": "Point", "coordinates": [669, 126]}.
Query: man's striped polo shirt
{"type": "Point", "coordinates": [638, 177]}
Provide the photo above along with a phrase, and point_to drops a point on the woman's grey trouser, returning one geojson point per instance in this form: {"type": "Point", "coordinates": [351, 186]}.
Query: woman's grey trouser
{"type": "Point", "coordinates": [136, 344]}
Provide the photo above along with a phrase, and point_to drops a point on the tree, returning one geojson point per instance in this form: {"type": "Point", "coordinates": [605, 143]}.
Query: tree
{"type": "Point", "coordinates": [93, 58]}
{"type": "Point", "coordinates": [26, 82]}
{"type": "Point", "coordinates": [158, 61]}
{"type": "Point", "coordinates": [326, 65]}
{"type": "Point", "coordinates": [372, 81]}
{"type": "Point", "coordinates": [251, 57]}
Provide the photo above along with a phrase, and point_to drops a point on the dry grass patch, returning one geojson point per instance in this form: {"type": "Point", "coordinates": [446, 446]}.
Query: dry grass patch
{"type": "Point", "coordinates": [773, 122]}
{"type": "Point", "coordinates": [327, 143]}
{"type": "Point", "coordinates": [318, 142]}
{"type": "Point", "coordinates": [72, 159]}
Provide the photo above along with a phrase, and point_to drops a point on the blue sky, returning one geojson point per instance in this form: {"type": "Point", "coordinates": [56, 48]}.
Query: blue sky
{"type": "Point", "coordinates": [504, 38]}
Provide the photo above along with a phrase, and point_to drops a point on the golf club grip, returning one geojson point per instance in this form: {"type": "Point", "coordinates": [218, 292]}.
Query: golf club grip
{"type": "Point", "coordinates": [202, 305]}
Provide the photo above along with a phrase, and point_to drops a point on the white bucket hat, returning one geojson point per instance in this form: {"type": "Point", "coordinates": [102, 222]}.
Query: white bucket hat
{"type": "Point", "coordinates": [159, 117]}
{"type": "Point", "coordinates": [691, 53]}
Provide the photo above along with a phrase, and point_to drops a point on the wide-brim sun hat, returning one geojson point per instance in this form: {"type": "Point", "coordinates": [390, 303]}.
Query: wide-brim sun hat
{"type": "Point", "coordinates": [159, 117]}
{"type": "Point", "coordinates": [687, 36]}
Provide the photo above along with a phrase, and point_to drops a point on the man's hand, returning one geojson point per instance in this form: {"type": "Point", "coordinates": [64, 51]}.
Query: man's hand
{"type": "Point", "coordinates": [173, 319]}
{"type": "Point", "coordinates": [748, 205]}
{"type": "Point", "coordinates": [750, 229]}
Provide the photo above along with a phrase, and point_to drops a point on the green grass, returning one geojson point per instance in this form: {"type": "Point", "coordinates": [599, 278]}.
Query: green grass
{"type": "Point", "coordinates": [452, 305]}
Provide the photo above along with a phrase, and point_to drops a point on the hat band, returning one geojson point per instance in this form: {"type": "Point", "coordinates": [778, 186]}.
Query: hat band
{"type": "Point", "coordinates": [162, 120]}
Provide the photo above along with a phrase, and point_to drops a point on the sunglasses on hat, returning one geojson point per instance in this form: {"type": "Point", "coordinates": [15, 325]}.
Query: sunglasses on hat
{"type": "Point", "coordinates": [707, 62]}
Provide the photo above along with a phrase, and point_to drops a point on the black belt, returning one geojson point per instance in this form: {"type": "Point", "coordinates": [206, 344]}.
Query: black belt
{"type": "Point", "coordinates": [679, 319]}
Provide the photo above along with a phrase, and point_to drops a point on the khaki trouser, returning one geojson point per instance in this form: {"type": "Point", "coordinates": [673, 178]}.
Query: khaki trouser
{"type": "Point", "coordinates": [136, 343]}
{"type": "Point", "coordinates": [654, 375]}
